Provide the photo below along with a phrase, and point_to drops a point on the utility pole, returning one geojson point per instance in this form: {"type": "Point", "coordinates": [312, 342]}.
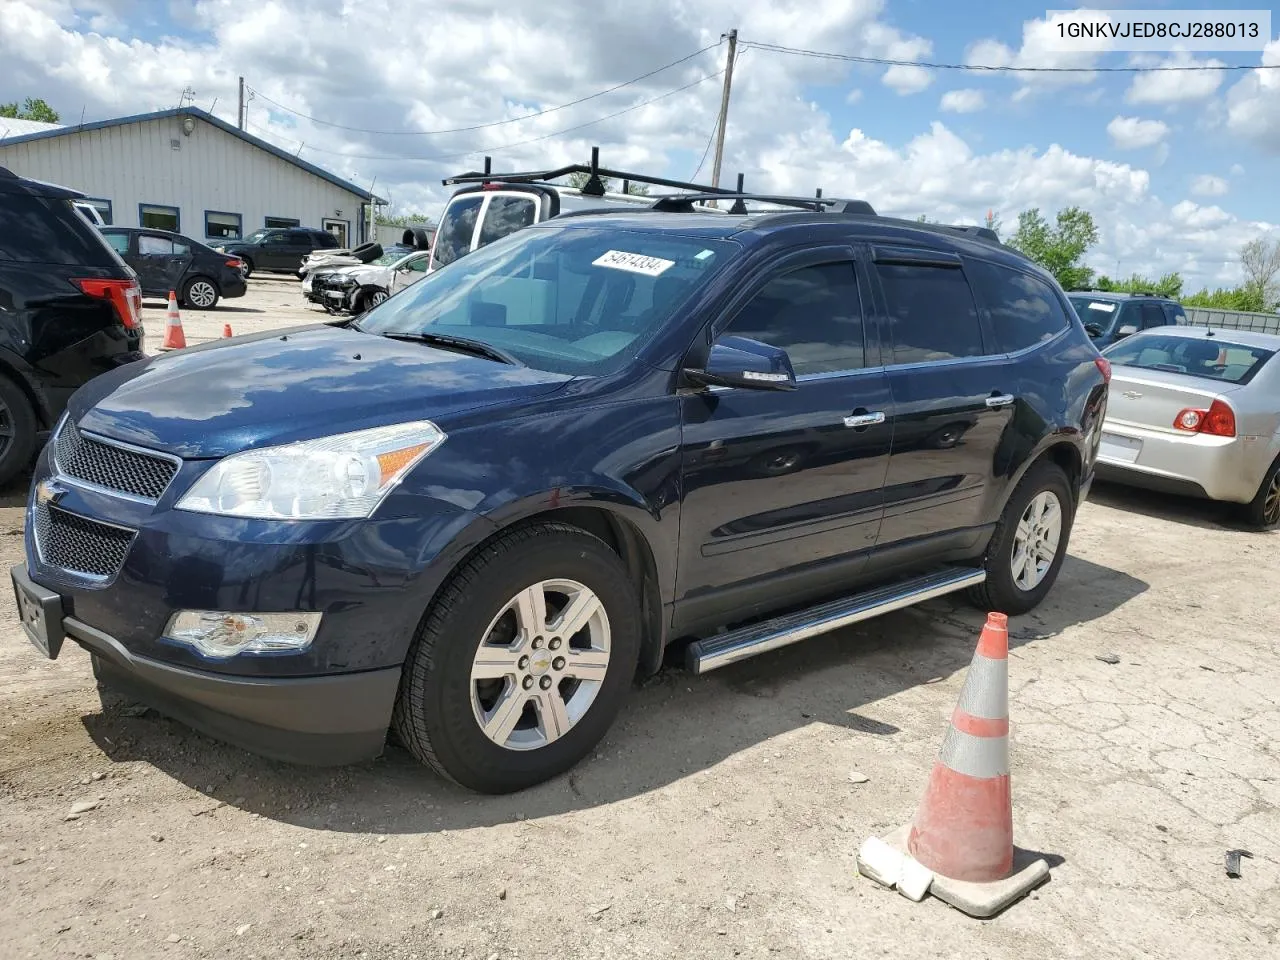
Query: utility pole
{"type": "Point", "coordinates": [240, 111]}
{"type": "Point", "coordinates": [724, 109]}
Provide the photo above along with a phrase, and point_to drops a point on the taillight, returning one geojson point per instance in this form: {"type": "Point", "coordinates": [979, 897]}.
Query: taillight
{"type": "Point", "coordinates": [1219, 420]}
{"type": "Point", "coordinates": [1104, 367]}
{"type": "Point", "coordinates": [125, 296]}
{"type": "Point", "coordinates": [492, 186]}
{"type": "Point", "coordinates": [235, 264]}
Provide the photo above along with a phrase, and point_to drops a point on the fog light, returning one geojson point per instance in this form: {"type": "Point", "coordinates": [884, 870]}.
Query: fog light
{"type": "Point", "coordinates": [221, 635]}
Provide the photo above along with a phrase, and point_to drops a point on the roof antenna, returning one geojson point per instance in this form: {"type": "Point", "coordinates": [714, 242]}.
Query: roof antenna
{"type": "Point", "coordinates": [594, 187]}
{"type": "Point", "coordinates": [738, 206]}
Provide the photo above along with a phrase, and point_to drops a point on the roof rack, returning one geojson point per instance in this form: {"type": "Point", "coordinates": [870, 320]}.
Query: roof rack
{"type": "Point", "coordinates": [683, 202]}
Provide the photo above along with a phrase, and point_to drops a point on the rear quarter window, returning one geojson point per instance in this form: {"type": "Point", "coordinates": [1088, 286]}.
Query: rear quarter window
{"type": "Point", "coordinates": [47, 230]}
{"type": "Point", "coordinates": [1024, 309]}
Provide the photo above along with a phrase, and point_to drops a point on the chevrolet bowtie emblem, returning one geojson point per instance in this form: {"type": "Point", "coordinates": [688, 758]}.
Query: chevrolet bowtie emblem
{"type": "Point", "coordinates": [48, 492]}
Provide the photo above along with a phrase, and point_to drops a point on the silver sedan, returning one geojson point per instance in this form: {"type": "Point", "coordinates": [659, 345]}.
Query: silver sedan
{"type": "Point", "coordinates": [1196, 411]}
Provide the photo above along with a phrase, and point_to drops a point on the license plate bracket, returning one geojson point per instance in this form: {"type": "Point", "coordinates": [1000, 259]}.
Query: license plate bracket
{"type": "Point", "coordinates": [1117, 447]}
{"type": "Point", "coordinates": [40, 612]}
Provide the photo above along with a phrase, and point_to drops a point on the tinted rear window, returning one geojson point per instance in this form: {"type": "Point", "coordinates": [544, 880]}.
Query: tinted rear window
{"type": "Point", "coordinates": [453, 237]}
{"type": "Point", "coordinates": [44, 230]}
{"type": "Point", "coordinates": [1211, 359]}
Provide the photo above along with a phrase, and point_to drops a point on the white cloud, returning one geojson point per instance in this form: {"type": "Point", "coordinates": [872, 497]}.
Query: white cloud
{"type": "Point", "coordinates": [907, 79]}
{"type": "Point", "coordinates": [1134, 133]}
{"type": "Point", "coordinates": [962, 101]}
{"type": "Point", "coordinates": [894, 45]}
{"type": "Point", "coordinates": [1041, 48]}
{"type": "Point", "coordinates": [1253, 104]}
{"type": "Point", "coordinates": [1237, 170]}
{"type": "Point", "coordinates": [1208, 185]}
{"type": "Point", "coordinates": [853, 96]}
{"type": "Point", "coordinates": [1174, 86]}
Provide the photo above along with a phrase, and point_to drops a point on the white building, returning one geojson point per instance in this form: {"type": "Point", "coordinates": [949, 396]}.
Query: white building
{"type": "Point", "coordinates": [186, 170]}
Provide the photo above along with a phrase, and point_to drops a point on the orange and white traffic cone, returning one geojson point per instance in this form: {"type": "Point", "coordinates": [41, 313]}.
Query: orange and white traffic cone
{"type": "Point", "coordinates": [226, 330]}
{"type": "Point", "coordinates": [959, 846]}
{"type": "Point", "coordinates": [174, 338]}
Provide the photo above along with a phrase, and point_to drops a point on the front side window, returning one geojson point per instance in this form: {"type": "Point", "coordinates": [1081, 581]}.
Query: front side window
{"type": "Point", "coordinates": [1024, 310]}
{"type": "Point", "coordinates": [1152, 316]}
{"type": "Point", "coordinates": [577, 300]}
{"type": "Point", "coordinates": [157, 217]}
{"type": "Point", "coordinates": [457, 225]}
{"type": "Point", "coordinates": [1215, 359]}
{"type": "Point", "coordinates": [222, 226]}
{"type": "Point", "coordinates": [932, 314]}
{"type": "Point", "coordinates": [814, 313]}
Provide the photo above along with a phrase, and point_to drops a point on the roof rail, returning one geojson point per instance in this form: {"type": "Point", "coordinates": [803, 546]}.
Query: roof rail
{"type": "Point", "coordinates": [683, 202]}
{"type": "Point", "coordinates": [594, 187]}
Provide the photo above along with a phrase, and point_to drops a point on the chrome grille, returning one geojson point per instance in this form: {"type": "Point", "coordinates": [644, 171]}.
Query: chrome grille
{"type": "Point", "coordinates": [111, 467]}
{"type": "Point", "coordinates": [78, 544]}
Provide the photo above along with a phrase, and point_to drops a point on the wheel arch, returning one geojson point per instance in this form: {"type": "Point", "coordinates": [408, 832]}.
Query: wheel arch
{"type": "Point", "coordinates": [14, 371]}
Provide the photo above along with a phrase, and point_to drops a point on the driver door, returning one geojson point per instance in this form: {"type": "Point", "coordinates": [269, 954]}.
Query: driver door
{"type": "Point", "coordinates": [783, 490]}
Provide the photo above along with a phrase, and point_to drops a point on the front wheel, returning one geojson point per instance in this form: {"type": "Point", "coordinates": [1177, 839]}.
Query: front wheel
{"type": "Point", "coordinates": [371, 298]}
{"type": "Point", "coordinates": [1029, 543]}
{"type": "Point", "coordinates": [524, 661]}
{"type": "Point", "coordinates": [1264, 512]}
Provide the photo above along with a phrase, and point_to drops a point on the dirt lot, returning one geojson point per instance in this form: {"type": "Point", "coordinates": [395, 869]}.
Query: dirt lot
{"type": "Point", "coordinates": [721, 817]}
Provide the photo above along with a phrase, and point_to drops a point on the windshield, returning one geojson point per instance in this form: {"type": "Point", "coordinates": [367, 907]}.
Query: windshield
{"type": "Point", "coordinates": [576, 300]}
{"type": "Point", "coordinates": [255, 236]}
{"type": "Point", "coordinates": [391, 256]}
{"type": "Point", "coordinates": [1099, 313]}
{"type": "Point", "coordinates": [1211, 359]}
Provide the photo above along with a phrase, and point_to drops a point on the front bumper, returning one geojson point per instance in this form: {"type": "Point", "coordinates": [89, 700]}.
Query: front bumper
{"type": "Point", "coordinates": [1214, 468]}
{"type": "Point", "coordinates": [323, 721]}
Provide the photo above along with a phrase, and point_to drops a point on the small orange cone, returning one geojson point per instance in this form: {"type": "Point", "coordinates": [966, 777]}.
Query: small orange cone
{"type": "Point", "coordinates": [174, 338]}
{"type": "Point", "coordinates": [226, 330]}
{"type": "Point", "coordinates": [961, 838]}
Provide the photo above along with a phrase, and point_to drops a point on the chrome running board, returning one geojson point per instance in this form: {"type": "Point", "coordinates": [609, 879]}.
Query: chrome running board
{"type": "Point", "coordinates": [711, 653]}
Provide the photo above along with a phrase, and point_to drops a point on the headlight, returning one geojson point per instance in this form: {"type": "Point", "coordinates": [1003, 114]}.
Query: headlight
{"type": "Point", "coordinates": [330, 478]}
{"type": "Point", "coordinates": [221, 635]}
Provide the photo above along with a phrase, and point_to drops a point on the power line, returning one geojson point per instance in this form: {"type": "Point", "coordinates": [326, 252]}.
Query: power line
{"type": "Point", "coordinates": [994, 68]}
{"type": "Point", "coordinates": [494, 123]}
{"type": "Point", "coordinates": [506, 146]}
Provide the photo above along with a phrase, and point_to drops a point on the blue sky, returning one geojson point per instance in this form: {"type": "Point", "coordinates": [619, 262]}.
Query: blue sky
{"type": "Point", "coordinates": [1174, 167]}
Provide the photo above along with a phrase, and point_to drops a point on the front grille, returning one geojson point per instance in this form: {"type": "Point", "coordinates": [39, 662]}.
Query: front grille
{"type": "Point", "coordinates": [111, 467]}
{"type": "Point", "coordinates": [80, 545]}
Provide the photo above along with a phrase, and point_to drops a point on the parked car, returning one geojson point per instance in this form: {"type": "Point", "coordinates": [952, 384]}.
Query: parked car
{"type": "Point", "coordinates": [312, 282]}
{"type": "Point", "coordinates": [413, 238]}
{"type": "Point", "coordinates": [1109, 317]}
{"type": "Point", "coordinates": [165, 261]}
{"type": "Point", "coordinates": [90, 212]}
{"type": "Point", "coordinates": [487, 206]}
{"type": "Point", "coordinates": [475, 512]}
{"type": "Point", "coordinates": [360, 288]}
{"type": "Point", "coordinates": [1196, 411]}
{"type": "Point", "coordinates": [70, 310]}
{"type": "Point", "coordinates": [278, 249]}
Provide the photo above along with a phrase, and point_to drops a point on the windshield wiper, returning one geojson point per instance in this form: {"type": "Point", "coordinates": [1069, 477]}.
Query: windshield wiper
{"type": "Point", "coordinates": [461, 344]}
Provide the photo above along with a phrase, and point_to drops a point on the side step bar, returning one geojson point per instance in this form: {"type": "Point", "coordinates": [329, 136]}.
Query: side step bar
{"type": "Point", "coordinates": [711, 653]}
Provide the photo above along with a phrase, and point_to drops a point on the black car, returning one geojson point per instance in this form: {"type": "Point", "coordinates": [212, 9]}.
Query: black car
{"type": "Point", "coordinates": [475, 512]}
{"type": "Point", "coordinates": [70, 309]}
{"type": "Point", "coordinates": [167, 261]}
{"type": "Point", "coordinates": [1109, 316]}
{"type": "Point", "coordinates": [278, 249]}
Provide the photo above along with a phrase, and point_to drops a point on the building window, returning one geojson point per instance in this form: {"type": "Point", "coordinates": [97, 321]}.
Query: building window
{"type": "Point", "coordinates": [338, 228]}
{"type": "Point", "coordinates": [102, 206]}
{"type": "Point", "coordinates": [221, 226]}
{"type": "Point", "coordinates": [156, 217]}
{"type": "Point", "coordinates": [281, 222]}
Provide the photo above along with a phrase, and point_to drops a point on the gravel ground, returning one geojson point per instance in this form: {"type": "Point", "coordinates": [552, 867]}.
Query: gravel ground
{"type": "Point", "coordinates": [722, 815]}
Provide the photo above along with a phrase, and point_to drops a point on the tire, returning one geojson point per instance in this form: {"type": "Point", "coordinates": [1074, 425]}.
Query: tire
{"type": "Point", "coordinates": [200, 293]}
{"type": "Point", "coordinates": [1001, 591]}
{"type": "Point", "coordinates": [248, 267]}
{"type": "Point", "coordinates": [440, 708]}
{"type": "Point", "coordinates": [368, 254]}
{"type": "Point", "coordinates": [18, 428]}
{"type": "Point", "coordinates": [421, 238]}
{"type": "Point", "coordinates": [1263, 512]}
{"type": "Point", "coordinates": [370, 298]}
{"type": "Point", "coordinates": [367, 245]}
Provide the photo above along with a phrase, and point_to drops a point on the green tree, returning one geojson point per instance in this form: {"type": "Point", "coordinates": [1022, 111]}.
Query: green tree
{"type": "Point", "coordinates": [1260, 261]}
{"type": "Point", "coordinates": [1059, 248]}
{"type": "Point", "coordinates": [1237, 298]}
{"type": "Point", "coordinates": [1169, 285]}
{"type": "Point", "coordinates": [402, 219]}
{"type": "Point", "coordinates": [993, 222]}
{"type": "Point", "coordinates": [32, 109]}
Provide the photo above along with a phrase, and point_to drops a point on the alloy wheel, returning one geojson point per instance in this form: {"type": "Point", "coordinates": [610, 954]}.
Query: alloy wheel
{"type": "Point", "coordinates": [201, 294]}
{"type": "Point", "coordinates": [1035, 542]}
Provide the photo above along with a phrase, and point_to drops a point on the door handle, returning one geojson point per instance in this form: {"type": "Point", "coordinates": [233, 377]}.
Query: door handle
{"type": "Point", "coordinates": [1000, 400]}
{"type": "Point", "coordinates": [863, 419]}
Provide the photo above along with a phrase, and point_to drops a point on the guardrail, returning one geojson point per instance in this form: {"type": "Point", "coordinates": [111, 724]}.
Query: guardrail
{"type": "Point", "coordinates": [1233, 320]}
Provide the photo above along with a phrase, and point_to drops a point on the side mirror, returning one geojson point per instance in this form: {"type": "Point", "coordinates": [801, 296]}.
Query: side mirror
{"type": "Point", "coordinates": [1093, 330]}
{"type": "Point", "coordinates": [1129, 329]}
{"type": "Point", "coordinates": [742, 362]}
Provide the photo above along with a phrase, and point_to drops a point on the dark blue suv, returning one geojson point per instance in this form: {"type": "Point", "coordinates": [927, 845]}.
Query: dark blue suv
{"type": "Point", "coordinates": [473, 514]}
{"type": "Point", "coordinates": [1109, 316]}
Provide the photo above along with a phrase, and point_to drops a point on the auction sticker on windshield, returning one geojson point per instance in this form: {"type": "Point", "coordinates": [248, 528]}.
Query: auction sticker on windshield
{"type": "Point", "coordinates": [633, 262]}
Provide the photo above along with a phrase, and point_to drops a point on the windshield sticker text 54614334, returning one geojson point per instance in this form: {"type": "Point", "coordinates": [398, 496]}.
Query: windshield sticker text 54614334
{"type": "Point", "coordinates": [633, 262]}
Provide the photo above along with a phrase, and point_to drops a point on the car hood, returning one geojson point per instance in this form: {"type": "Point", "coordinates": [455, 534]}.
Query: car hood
{"type": "Point", "coordinates": [253, 391]}
{"type": "Point", "coordinates": [366, 274]}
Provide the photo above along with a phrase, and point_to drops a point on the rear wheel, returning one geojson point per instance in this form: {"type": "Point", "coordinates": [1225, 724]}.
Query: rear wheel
{"type": "Point", "coordinates": [1264, 511]}
{"type": "Point", "coordinates": [18, 428]}
{"type": "Point", "coordinates": [200, 293]}
{"type": "Point", "coordinates": [524, 661]}
{"type": "Point", "coordinates": [1029, 543]}
{"type": "Point", "coordinates": [248, 267]}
